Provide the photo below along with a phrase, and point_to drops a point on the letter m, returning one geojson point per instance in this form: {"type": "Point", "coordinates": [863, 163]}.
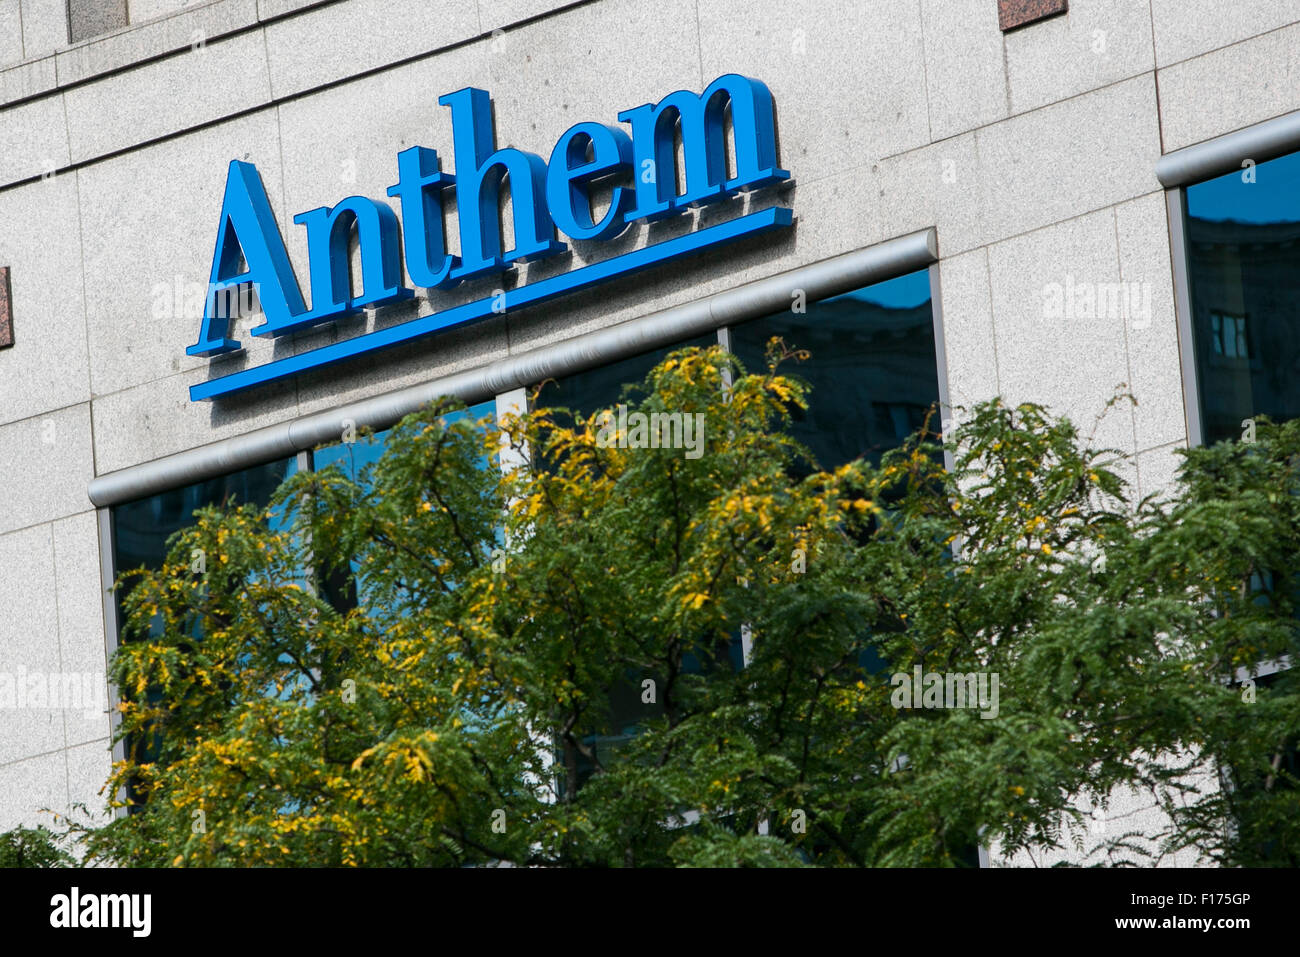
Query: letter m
{"type": "Point", "coordinates": [702, 119]}
{"type": "Point", "coordinates": [115, 910]}
{"type": "Point", "coordinates": [962, 690]}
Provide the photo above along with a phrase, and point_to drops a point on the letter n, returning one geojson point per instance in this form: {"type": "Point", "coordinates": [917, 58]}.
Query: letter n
{"type": "Point", "coordinates": [248, 235]}
{"type": "Point", "coordinates": [329, 233]}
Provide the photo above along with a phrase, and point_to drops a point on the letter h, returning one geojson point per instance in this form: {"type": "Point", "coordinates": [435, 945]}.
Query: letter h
{"type": "Point", "coordinates": [480, 170]}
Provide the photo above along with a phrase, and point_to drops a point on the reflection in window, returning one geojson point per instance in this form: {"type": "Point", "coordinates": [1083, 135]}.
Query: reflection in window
{"type": "Point", "coordinates": [355, 460]}
{"type": "Point", "coordinates": [591, 390]}
{"type": "Point", "coordinates": [585, 393]}
{"type": "Point", "coordinates": [142, 528]}
{"type": "Point", "coordinates": [1244, 277]}
{"type": "Point", "coordinates": [871, 366]}
{"type": "Point", "coordinates": [874, 379]}
{"type": "Point", "coordinates": [1228, 336]}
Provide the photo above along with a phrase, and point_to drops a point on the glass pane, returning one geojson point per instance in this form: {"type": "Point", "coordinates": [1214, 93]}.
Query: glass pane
{"type": "Point", "coordinates": [871, 367]}
{"type": "Point", "coordinates": [354, 459]}
{"type": "Point", "coordinates": [1244, 274]}
{"type": "Point", "coordinates": [585, 393]}
{"type": "Point", "coordinates": [602, 387]}
{"type": "Point", "coordinates": [141, 528]}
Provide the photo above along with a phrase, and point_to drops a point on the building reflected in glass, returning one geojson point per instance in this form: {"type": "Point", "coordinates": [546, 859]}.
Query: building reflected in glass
{"type": "Point", "coordinates": [1244, 270]}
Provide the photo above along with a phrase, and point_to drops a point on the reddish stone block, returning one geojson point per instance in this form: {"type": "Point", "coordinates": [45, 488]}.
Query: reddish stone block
{"type": "Point", "coordinates": [1019, 13]}
{"type": "Point", "coordinates": [6, 310]}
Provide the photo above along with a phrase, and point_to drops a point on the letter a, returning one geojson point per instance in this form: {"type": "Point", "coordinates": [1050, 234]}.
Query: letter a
{"type": "Point", "coordinates": [247, 227]}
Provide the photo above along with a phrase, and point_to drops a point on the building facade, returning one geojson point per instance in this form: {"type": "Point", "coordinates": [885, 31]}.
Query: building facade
{"type": "Point", "coordinates": [942, 200]}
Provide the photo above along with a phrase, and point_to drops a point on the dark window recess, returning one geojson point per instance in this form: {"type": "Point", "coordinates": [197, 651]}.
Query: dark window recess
{"type": "Point", "coordinates": [1263, 794]}
{"type": "Point", "coordinates": [871, 366]}
{"type": "Point", "coordinates": [355, 460]}
{"type": "Point", "coordinates": [141, 530]}
{"type": "Point", "coordinates": [873, 378]}
{"type": "Point", "coordinates": [92, 18]}
{"type": "Point", "coordinates": [1243, 265]}
{"type": "Point", "coordinates": [1228, 336]}
{"type": "Point", "coordinates": [586, 393]}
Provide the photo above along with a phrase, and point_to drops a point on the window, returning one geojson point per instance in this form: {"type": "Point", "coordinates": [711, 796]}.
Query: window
{"type": "Point", "coordinates": [1271, 788]}
{"type": "Point", "coordinates": [141, 530]}
{"type": "Point", "coordinates": [1243, 264]}
{"type": "Point", "coordinates": [585, 393]}
{"type": "Point", "coordinates": [874, 378]}
{"type": "Point", "coordinates": [589, 391]}
{"type": "Point", "coordinates": [871, 366]}
{"type": "Point", "coordinates": [354, 460]}
{"type": "Point", "coordinates": [1228, 336]}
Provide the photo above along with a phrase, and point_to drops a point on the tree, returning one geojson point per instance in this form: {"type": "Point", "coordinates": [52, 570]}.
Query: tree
{"type": "Point", "coordinates": [445, 664]}
{"type": "Point", "coordinates": [33, 847]}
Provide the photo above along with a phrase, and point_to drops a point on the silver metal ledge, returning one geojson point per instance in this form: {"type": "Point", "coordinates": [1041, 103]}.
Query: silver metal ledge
{"type": "Point", "coordinates": [829, 277]}
{"type": "Point", "coordinates": [1202, 161]}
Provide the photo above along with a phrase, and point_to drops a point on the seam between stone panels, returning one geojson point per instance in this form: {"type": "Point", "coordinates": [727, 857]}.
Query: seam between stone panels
{"type": "Point", "coordinates": [1137, 462]}
{"type": "Point", "coordinates": [1226, 46]}
{"type": "Point", "coordinates": [48, 521]}
{"type": "Point", "coordinates": [272, 101]}
{"type": "Point", "coordinates": [58, 628]}
{"type": "Point", "coordinates": [33, 757]}
{"type": "Point", "coordinates": [1155, 66]}
{"type": "Point", "coordinates": [1128, 357]}
{"type": "Point", "coordinates": [67, 127]}
{"type": "Point", "coordinates": [699, 42]}
{"type": "Point", "coordinates": [85, 314]}
{"type": "Point", "coordinates": [1027, 232]}
{"type": "Point", "coordinates": [51, 753]}
{"type": "Point", "coordinates": [993, 322]}
{"type": "Point", "coordinates": [51, 520]}
{"type": "Point", "coordinates": [256, 23]}
{"type": "Point", "coordinates": [925, 71]}
{"type": "Point", "coordinates": [1006, 70]}
{"type": "Point", "coordinates": [1012, 116]}
{"type": "Point", "coordinates": [67, 770]}
{"type": "Point", "coordinates": [1175, 444]}
{"type": "Point", "coordinates": [1216, 136]}
{"type": "Point", "coordinates": [46, 414]}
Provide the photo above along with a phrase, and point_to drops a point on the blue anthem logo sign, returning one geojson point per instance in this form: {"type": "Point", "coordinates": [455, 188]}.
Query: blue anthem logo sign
{"type": "Point", "coordinates": [544, 196]}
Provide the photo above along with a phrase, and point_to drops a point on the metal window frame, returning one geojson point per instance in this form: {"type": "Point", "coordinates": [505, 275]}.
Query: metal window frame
{"type": "Point", "coordinates": [1175, 205]}
{"type": "Point", "coordinates": [112, 628]}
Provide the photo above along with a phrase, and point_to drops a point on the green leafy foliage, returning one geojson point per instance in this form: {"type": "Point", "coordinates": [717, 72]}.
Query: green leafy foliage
{"type": "Point", "coordinates": [451, 704]}
{"type": "Point", "coordinates": [33, 847]}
